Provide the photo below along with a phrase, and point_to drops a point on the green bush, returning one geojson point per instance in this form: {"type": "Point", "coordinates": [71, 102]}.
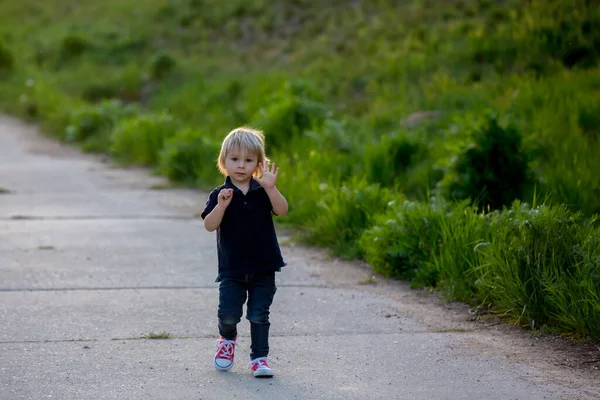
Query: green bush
{"type": "Point", "coordinates": [7, 61]}
{"type": "Point", "coordinates": [335, 136]}
{"type": "Point", "coordinates": [118, 48]}
{"type": "Point", "coordinates": [402, 241]}
{"type": "Point", "coordinates": [47, 104]}
{"type": "Point", "coordinates": [497, 50]}
{"type": "Point", "coordinates": [560, 116]}
{"type": "Point", "coordinates": [92, 124]}
{"type": "Point", "coordinates": [161, 65]}
{"type": "Point", "coordinates": [541, 267]}
{"type": "Point", "coordinates": [307, 174]}
{"type": "Point", "coordinates": [191, 157]}
{"type": "Point", "coordinates": [72, 46]}
{"type": "Point", "coordinates": [95, 92]}
{"type": "Point", "coordinates": [387, 160]}
{"type": "Point", "coordinates": [343, 214]}
{"type": "Point", "coordinates": [588, 119]}
{"type": "Point", "coordinates": [492, 169]}
{"type": "Point", "coordinates": [288, 114]}
{"type": "Point", "coordinates": [139, 140]}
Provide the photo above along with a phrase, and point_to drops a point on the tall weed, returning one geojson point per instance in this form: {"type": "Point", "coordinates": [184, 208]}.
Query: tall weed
{"type": "Point", "coordinates": [7, 61]}
{"type": "Point", "coordinates": [191, 157]}
{"type": "Point", "coordinates": [289, 113]}
{"type": "Point", "coordinates": [560, 116]}
{"type": "Point", "coordinates": [461, 232]}
{"type": "Point", "coordinates": [574, 301]}
{"type": "Point", "coordinates": [386, 161]}
{"type": "Point", "coordinates": [533, 253]}
{"type": "Point", "coordinates": [92, 125]}
{"type": "Point", "coordinates": [343, 214]}
{"type": "Point", "coordinates": [492, 169]}
{"type": "Point", "coordinates": [139, 140]}
{"type": "Point", "coordinates": [404, 239]}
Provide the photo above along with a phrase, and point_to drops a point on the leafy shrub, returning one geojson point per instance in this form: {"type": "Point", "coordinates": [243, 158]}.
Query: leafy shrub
{"type": "Point", "coordinates": [48, 104]}
{"type": "Point", "coordinates": [402, 241]}
{"type": "Point", "coordinates": [72, 46]}
{"type": "Point", "coordinates": [95, 92]}
{"type": "Point", "coordinates": [493, 168]}
{"type": "Point", "coordinates": [139, 140]}
{"type": "Point", "coordinates": [333, 135]}
{"type": "Point", "coordinates": [387, 160]}
{"type": "Point", "coordinates": [289, 114]}
{"type": "Point", "coordinates": [542, 266]}
{"type": "Point", "coordinates": [190, 157]}
{"type": "Point", "coordinates": [565, 164]}
{"type": "Point", "coordinates": [7, 61]}
{"type": "Point", "coordinates": [93, 124]}
{"type": "Point", "coordinates": [344, 214]}
{"type": "Point", "coordinates": [118, 47]}
{"type": "Point", "coordinates": [497, 50]}
{"type": "Point", "coordinates": [161, 65]}
{"type": "Point", "coordinates": [588, 119]}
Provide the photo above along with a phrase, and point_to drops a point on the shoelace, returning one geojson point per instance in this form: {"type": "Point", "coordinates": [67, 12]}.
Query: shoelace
{"type": "Point", "coordinates": [261, 362]}
{"type": "Point", "coordinates": [225, 348]}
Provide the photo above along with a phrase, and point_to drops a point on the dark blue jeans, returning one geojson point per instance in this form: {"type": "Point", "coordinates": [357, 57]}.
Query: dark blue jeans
{"type": "Point", "coordinates": [259, 289]}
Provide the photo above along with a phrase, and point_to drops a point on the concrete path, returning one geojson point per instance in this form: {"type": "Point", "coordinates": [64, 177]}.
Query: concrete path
{"type": "Point", "coordinates": [92, 260]}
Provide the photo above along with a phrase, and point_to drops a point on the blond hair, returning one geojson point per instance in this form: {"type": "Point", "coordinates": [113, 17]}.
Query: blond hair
{"type": "Point", "coordinates": [243, 138]}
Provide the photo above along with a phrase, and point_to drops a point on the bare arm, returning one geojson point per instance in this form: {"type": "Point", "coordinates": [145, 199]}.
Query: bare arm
{"type": "Point", "coordinates": [278, 202]}
{"type": "Point", "coordinates": [214, 218]}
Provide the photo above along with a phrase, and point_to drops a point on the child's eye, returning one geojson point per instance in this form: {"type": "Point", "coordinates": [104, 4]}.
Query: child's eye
{"type": "Point", "coordinates": [234, 158]}
{"type": "Point", "coordinates": [249, 160]}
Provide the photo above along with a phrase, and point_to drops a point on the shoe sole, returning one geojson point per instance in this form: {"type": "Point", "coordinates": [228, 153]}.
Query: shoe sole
{"type": "Point", "coordinates": [263, 374]}
{"type": "Point", "coordinates": [223, 369]}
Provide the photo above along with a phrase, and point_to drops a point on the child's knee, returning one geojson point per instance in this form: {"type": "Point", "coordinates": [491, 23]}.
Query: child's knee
{"type": "Point", "coordinates": [229, 319]}
{"type": "Point", "coordinates": [258, 317]}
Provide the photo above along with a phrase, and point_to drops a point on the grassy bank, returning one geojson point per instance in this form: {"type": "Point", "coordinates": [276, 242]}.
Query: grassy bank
{"type": "Point", "coordinates": [452, 143]}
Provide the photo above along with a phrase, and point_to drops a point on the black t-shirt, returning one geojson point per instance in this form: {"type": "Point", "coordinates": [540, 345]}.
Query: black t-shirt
{"type": "Point", "coordinates": [246, 239]}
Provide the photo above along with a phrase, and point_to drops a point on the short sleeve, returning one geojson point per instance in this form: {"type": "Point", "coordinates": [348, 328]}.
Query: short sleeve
{"type": "Point", "coordinates": [211, 203]}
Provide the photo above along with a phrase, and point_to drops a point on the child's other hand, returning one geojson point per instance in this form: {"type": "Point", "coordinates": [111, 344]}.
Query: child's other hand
{"type": "Point", "coordinates": [269, 175]}
{"type": "Point", "coordinates": [225, 196]}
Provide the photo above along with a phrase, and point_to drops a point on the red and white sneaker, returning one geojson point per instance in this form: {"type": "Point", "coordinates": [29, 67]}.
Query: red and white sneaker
{"type": "Point", "coordinates": [225, 353]}
{"type": "Point", "coordinates": [260, 367]}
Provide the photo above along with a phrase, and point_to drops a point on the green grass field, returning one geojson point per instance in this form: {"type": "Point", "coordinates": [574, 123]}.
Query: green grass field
{"type": "Point", "coordinates": [453, 144]}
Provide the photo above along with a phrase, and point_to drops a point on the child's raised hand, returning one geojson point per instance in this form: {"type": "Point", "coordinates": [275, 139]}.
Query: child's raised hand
{"type": "Point", "coordinates": [269, 175]}
{"type": "Point", "coordinates": [225, 196]}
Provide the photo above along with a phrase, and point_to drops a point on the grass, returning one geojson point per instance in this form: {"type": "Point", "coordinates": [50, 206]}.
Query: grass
{"type": "Point", "coordinates": [159, 335]}
{"type": "Point", "coordinates": [368, 281]}
{"type": "Point", "coordinates": [417, 135]}
{"type": "Point", "coordinates": [451, 330]}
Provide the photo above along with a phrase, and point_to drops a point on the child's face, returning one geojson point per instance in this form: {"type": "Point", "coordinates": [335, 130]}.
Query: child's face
{"type": "Point", "coordinates": [240, 165]}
